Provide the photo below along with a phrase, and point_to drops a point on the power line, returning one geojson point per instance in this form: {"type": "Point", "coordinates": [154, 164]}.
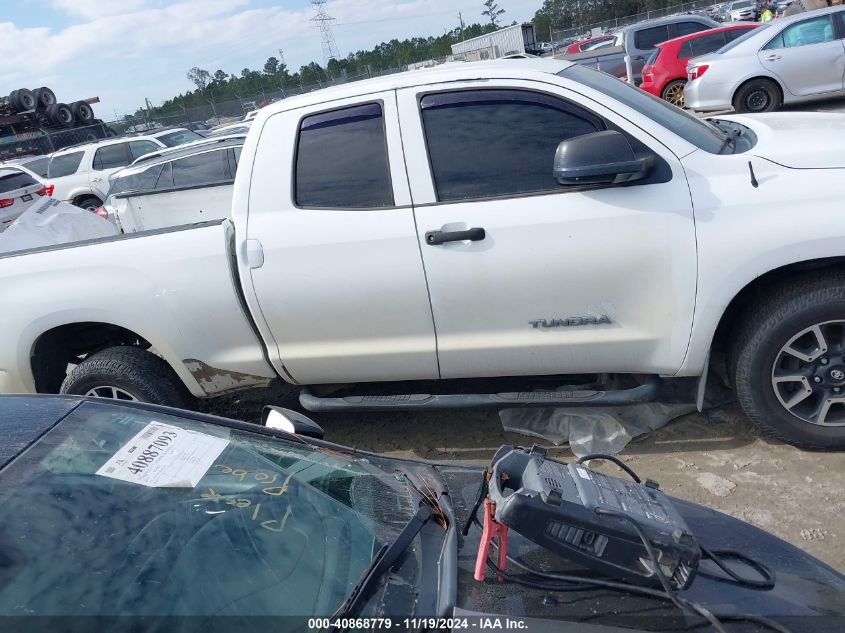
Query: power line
{"type": "Point", "coordinates": [323, 21]}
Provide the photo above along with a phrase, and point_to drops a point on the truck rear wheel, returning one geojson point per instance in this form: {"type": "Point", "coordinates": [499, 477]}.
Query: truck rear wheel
{"type": "Point", "coordinates": [82, 111]}
{"type": "Point", "coordinates": [22, 99]}
{"type": "Point", "coordinates": [60, 114]}
{"type": "Point", "coordinates": [788, 362]}
{"type": "Point", "coordinates": [44, 97]}
{"type": "Point", "coordinates": [127, 373]}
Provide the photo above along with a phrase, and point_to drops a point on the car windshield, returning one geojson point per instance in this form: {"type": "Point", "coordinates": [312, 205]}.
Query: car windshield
{"type": "Point", "coordinates": [692, 129]}
{"type": "Point", "coordinates": [750, 33]}
{"type": "Point", "coordinates": [267, 527]}
{"type": "Point", "coordinates": [179, 137]}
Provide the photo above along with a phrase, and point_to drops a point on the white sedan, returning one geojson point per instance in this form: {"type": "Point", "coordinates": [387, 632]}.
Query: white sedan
{"type": "Point", "coordinates": [19, 187]}
{"type": "Point", "coordinates": [791, 60]}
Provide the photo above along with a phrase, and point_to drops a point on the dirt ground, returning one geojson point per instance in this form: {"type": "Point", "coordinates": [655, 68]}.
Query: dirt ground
{"type": "Point", "coordinates": [718, 459]}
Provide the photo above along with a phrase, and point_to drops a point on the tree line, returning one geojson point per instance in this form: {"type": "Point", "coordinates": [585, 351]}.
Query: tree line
{"type": "Point", "coordinates": [274, 76]}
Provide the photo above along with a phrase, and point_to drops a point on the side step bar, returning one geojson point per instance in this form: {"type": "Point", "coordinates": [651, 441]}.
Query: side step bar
{"type": "Point", "coordinates": [408, 401]}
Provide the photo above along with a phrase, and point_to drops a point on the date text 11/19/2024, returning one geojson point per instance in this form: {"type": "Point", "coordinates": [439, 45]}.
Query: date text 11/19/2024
{"type": "Point", "coordinates": [480, 623]}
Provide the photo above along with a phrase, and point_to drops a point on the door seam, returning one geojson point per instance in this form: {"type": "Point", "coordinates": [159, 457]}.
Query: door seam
{"type": "Point", "coordinates": [417, 233]}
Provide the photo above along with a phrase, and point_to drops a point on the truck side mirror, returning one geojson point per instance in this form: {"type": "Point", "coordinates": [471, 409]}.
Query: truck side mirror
{"type": "Point", "coordinates": [291, 422]}
{"type": "Point", "coordinates": [599, 158]}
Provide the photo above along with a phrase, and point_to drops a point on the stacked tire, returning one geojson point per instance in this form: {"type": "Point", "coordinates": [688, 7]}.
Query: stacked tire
{"type": "Point", "coordinates": [44, 100]}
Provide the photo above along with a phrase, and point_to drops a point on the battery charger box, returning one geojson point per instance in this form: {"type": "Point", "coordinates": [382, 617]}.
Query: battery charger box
{"type": "Point", "coordinates": [558, 506]}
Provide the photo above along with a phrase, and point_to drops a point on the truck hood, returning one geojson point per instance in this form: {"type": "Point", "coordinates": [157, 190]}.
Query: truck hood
{"type": "Point", "coordinates": [800, 140]}
{"type": "Point", "coordinates": [808, 595]}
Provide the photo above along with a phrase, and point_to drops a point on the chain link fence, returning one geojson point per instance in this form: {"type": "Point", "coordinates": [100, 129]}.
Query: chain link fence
{"type": "Point", "coordinates": [47, 141]}
{"type": "Point", "coordinates": [217, 112]}
{"type": "Point", "coordinates": [585, 30]}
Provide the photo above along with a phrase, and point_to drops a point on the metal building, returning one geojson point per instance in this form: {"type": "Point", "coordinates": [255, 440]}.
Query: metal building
{"type": "Point", "coordinates": [518, 38]}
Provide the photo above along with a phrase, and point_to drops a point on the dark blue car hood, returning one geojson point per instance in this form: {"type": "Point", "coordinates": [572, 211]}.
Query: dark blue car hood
{"type": "Point", "coordinates": [808, 594]}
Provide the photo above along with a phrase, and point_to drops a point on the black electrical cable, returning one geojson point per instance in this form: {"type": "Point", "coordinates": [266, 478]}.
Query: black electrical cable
{"type": "Point", "coordinates": [717, 557]}
{"type": "Point", "coordinates": [682, 603]}
{"type": "Point", "coordinates": [613, 459]}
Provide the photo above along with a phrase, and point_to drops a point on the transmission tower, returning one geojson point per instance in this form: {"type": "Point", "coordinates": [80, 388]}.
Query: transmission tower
{"type": "Point", "coordinates": [323, 21]}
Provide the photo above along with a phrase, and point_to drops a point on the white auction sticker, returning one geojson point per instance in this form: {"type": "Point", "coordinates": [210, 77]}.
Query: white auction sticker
{"type": "Point", "coordinates": [164, 456]}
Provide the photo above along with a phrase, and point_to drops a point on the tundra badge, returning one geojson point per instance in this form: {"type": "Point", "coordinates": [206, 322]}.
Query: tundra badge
{"type": "Point", "coordinates": [570, 321]}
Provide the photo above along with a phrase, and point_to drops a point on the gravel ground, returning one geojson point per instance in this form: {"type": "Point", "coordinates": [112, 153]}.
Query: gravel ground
{"type": "Point", "coordinates": [719, 460]}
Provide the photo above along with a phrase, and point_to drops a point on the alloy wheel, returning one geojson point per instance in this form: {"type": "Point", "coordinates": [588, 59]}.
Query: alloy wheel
{"type": "Point", "coordinates": [808, 375]}
{"type": "Point", "coordinates": [675, 95]}
{"type": "Point", "coordinates": [113, 393]}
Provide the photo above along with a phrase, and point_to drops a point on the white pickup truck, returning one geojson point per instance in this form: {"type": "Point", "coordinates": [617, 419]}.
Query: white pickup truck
{"type": "Point", "coordinates": [502, 219]}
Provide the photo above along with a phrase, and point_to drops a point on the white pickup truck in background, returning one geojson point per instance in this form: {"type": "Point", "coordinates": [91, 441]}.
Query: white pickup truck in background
{"type": "Point", "coordinates": [502, 219]}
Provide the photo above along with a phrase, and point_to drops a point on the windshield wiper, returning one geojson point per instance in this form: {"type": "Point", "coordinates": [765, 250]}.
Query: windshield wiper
{"type": "Point", "coordinates": [730, 139]}
{"type": "Point", "coordinates": [382, 562]}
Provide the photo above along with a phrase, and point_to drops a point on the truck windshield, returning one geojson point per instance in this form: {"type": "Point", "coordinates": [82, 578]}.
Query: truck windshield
{"type": "Point", "coordinates": [692, 129]}
{"type": "Point", "coordinates": [271, 527]}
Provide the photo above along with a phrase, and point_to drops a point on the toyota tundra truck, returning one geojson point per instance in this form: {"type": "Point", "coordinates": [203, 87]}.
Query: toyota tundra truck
{"type": "Point", "coordinates": [496, 220]}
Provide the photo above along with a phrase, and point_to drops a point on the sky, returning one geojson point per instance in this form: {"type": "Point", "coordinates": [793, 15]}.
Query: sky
{"type": "Point", "coordinates": [124, 51]}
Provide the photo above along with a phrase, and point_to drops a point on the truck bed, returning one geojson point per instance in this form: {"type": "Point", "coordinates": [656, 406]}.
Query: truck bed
{"type": "Point", "coordinates": [151, 283]}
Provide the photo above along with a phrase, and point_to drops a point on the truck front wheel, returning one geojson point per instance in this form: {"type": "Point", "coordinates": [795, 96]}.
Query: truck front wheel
{"type": "Point", "coordinates": [788, 362]}
{"type": "Point", "coordinates": [127, 373]}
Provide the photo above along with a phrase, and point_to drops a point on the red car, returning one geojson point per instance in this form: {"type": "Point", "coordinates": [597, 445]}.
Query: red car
{"type": "Point", "coordinates": [582, 45]}
{"type": "Point", "coordinates": [665, 72]}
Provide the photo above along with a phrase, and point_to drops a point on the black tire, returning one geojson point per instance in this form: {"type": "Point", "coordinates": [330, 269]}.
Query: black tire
{"type": "Point", "coordinates": [22, 100]}
{"type": "Point", "coordinates": [757, 345]}
{"type": "Point", "coordinates": [142, 374]}
{"type": "Point", "coordinates": [669, 92]}
{"type": "Point", "coordinates": [60, 114]}
{"type": "Point", "coordinates": [758, 95]}
{"type": "Point", "coordinates": [88, 202]}
{"type": "Point", "coordinates": [44, 97]}
{"type": "Point", "coordinates": [83, 112]}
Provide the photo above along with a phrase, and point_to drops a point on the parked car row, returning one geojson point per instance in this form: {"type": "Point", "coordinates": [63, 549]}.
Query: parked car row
{"type": "Point", "coordinates": [692, 61]}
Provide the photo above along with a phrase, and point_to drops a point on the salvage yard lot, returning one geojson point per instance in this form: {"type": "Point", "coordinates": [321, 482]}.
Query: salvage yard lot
{"type": "Point", "coordinates": [719, 460]}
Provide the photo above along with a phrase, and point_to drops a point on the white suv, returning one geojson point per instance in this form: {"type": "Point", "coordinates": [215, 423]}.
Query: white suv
{"type": "Point", "coordinates": [80, 174]}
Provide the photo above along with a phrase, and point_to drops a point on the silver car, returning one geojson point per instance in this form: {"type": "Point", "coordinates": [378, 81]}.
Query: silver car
{"type": "Point", "coordinates": [791, 60]}
{"type": "Point", "coordinates": [19, 187]}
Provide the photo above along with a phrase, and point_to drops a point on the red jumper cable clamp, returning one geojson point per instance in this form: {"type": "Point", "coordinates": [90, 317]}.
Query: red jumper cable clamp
{"type": "Point", "coordinates": [491, 530]}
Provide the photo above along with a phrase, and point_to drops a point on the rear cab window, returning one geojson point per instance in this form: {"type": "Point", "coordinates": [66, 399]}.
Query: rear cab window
{"type": "Point", "coordinates": [342, 161]}
{"type": "Point", "coordinates": [64, 164]}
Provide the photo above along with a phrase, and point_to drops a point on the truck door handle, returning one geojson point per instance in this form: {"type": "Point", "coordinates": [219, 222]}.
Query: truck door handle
{"type": "Point", "coordinates": [96, 180]}
{"type": "Point", "coordinates": [433, 238]}
{"type": "Point", "coordinates": [772, 58]}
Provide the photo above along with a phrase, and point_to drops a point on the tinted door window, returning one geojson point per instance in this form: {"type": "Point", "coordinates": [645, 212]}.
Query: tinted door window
{"type": "Point", "coordinates": [64, 165]}
{"type": "Point", "coordinates": [138, 182]}
{"type": "Point", "coordinates": [685, 51]}
{"type": "Point", "coordinates": [647, 38]}
{"type": "Point", "coordinates": [341, 160]}
{"type": "Point", "coordinates": [139, 148]}
{"type": "Point", "coordinates": [165, 180]}
{"type": "Point", "coordinates": [497, 142]}
{"type": "Point", "coordinates": [814, 31]}
{"type": "Point", "coordinates": [707, 43]}
{"type": "Point", "coordinates": [201, 169]}
{"type": "Point", "coordinates": [687, 28]}
{"type": "Point", "coordinates": [111, 156]}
